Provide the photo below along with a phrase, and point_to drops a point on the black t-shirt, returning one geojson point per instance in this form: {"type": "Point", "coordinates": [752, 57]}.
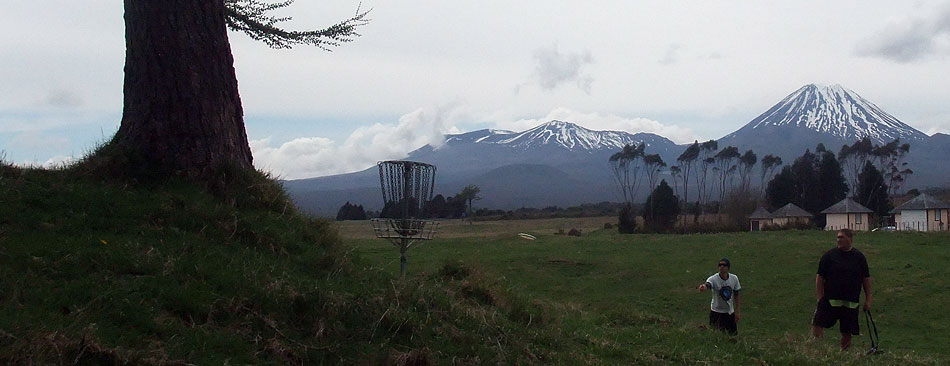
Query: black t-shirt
{"type": "Point", "coordinates": [844, 272]}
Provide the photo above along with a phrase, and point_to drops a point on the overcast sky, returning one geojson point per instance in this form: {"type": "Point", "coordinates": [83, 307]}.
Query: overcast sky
{"type": "Point", "coordinates": [683, 69]}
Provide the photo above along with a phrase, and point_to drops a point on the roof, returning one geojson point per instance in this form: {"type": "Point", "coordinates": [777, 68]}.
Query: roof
{"type": "Point", "coordinates": [760, 213]}
{"type": "Point", "coordinates": [790, 210]}
{"type": "Point", "coordinates": [922, 202]}
{"type": "Point", "coordinates": [846, 205]}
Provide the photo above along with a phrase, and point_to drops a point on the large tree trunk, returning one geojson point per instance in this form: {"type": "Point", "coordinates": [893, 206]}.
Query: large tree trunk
{"type": "Point", "coordinates": [181, 112]}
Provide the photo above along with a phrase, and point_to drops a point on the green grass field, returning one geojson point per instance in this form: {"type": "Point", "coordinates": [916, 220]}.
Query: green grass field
{"type": "Point", "coordinates": [603, 274]}
{"type": "Point", "coordinates": [97, 271]}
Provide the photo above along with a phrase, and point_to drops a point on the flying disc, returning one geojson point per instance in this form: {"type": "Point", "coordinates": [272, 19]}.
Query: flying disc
{"type": "Point", "coordinates": [526, 236]}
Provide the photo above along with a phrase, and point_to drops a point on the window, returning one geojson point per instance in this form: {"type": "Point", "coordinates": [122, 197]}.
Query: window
{"type": "Point", "coordinates": [937, 216]}
{"type": "Point", "coordinates": [857, 219]}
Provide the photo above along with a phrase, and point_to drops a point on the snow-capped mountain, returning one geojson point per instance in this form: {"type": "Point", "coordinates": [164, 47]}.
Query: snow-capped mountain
{"type": "Point", "coordinates": [813, 114]}
{"type": "Point", "coordinates": [557, 162]}
{"type": "Point", "coordinates": [561, 163]}
{"type": "Point", "coordinates": [565, 145]}
{"type": "Point", "coordinates": [558, 134]}
{"type": "Point", "coordinates": [833, 111]}
{"type": "Point", "coordinates": [569, 136]}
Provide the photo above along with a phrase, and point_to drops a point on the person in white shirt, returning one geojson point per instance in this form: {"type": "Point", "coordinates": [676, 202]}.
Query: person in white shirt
{"type": "Point", "coordinates": [724, 310]}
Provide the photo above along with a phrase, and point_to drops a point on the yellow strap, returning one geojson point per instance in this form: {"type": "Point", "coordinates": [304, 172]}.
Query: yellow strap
{"type": "Point", "coordinates": [845, 303]}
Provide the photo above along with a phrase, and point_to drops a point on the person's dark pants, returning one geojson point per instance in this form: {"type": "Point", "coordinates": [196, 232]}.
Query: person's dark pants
{"type": "Point", "coordinates": [724, 322]}
{"type": "Point", "coordinates": [826, 316]}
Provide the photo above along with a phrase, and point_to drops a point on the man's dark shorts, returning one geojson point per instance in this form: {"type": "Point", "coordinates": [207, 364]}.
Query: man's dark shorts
{"type": "Point", "coordinates": [722, 321]}
{"type": "Point", "coordinates": [826, 316]}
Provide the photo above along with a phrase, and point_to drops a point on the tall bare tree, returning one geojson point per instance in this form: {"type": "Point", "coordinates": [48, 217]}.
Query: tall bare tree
{"type": "Point", "coordinates": [686, 161]}
{"type": "Point", "coordinates": [769, 164]}
{"type": "Point", "coordinates": [676, 173]}
{"type": "Point", "coordinates": [726, 167]}
{"type": "Point", "coordinates": [654, 165]}
{"type": "Point", "coordinates": [625, 166]}
{"type": "Point", "coordinates": [853, 158]}
{"type": "Point", "coordinates": [746, 164]}
{"type": "Point", "coordinates": [707, 153]}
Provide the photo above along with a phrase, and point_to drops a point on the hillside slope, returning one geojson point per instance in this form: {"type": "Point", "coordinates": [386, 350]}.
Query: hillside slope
{"type": "Point", "coordinates": [93, 272]}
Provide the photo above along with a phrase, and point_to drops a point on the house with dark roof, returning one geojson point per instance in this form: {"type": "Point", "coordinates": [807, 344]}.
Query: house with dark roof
{"type": "Point", "coordinates": [847, 214]}
{"type": "Point", "coordinates": [923, 213]}
{"type": "Point", "coordinates": [759, 219]}
{"type": "Point", "coordinates": [790, 214]}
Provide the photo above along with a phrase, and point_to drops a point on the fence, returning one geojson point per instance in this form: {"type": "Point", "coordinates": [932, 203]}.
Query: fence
{"type": "Point", "coordinates": [923, 226]}
{"type": "Point", "coordinates": [904, 226]}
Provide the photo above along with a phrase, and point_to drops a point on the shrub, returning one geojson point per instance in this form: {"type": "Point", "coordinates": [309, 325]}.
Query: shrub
{"type": "Point", "coordinates": [661, 209]}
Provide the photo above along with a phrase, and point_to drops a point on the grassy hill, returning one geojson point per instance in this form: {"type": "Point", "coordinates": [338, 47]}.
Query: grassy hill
{"type": "Point", "coordinates": [94, 271]}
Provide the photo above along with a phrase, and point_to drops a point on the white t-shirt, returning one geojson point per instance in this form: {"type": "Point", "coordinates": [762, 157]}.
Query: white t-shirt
{"type": "Point", "coordinates": [723, 293]}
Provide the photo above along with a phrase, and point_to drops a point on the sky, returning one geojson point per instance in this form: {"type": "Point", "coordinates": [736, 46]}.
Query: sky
{"type": "Point", "coordinates": [686, 70]}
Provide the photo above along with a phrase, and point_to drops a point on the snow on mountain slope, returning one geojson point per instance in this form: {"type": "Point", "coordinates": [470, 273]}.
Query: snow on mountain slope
{"type": "Point", "coordinates": [561, 134]}
{"type": "Point", "coordinates": [833, 110]}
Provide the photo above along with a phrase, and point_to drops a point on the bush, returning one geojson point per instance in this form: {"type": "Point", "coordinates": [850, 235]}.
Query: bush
{"type": "Point", "coordinates": [661, 209]}
{"type": "Point", "coordinates": [351, 212]}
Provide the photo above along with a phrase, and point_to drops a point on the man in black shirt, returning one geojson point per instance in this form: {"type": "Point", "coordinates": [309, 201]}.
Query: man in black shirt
{"type": "Point", "coordinates": [842, 272]}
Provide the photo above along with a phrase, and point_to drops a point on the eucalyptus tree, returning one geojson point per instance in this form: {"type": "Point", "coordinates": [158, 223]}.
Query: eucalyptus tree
{"type": "Point", "coordinates": [686, 161]}
{"type": "Point", "coordinates": [853, 158]}
{"type": "Point", "coordinates": [726, 167]}
{"type": "Point", "coordinates": [182, 112]}
{"type": "Point", "coordinates": [676, 174]}
{"type": "Point", "coordinates": [470, 194]}
{"type": "Point", "coordinates": [654, 165]}
{"type": "Point", "coordinates": [769, 164]}
{"type": "Point", "coordinates": [872, 191]}
{"type": "Point", "coordinates": [707, 152]}
{"type": "Point", "coordinates": [746, 164]}
{"type": "Point", "coordinates": [625, 166]}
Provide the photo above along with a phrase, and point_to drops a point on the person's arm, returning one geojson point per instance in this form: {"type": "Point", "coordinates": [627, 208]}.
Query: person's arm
{"type": "Point", "coordinates": [819, 287]}
{"type": "Point", "coordinates": [867, 293]}
{"type": "Point", "coordinates": [738, 313]}
{"type": "Point", "coordinates": [705, 286]}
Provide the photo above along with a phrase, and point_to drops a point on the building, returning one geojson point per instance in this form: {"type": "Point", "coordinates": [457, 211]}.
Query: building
{"type": "Point", "coordinates": [923, 213]}
{"type": "Point", "coordinates": [759, 218]}
{"type": "Point", "coordinates": [847, 214]}
{"type": "Point", "coordinates": [790, 214]}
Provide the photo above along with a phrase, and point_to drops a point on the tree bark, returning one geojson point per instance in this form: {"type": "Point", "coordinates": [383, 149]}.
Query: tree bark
{"type": "Point", "coordinates": [181, 110]}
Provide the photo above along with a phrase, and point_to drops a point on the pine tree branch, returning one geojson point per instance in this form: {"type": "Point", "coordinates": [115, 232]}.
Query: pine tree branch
{"type": "Point", "coordinates": [252, 17]}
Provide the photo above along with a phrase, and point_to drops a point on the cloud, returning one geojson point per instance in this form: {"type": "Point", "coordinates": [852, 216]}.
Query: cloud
{"type": "Point", "coordinates": [600, 122]}
{"type": "Point", "coordinates": [316, 156]}
{"type": "Point", "coordinates": [910, 39]}
{"type": "Point", "coordinates": [554, 68]}
{"type": "Point", "coordinates": [672, 55]}
{"type": "Point", "coordinates": [63, 99]}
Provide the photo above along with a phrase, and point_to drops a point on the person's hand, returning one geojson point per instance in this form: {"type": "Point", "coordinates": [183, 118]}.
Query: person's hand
{"type": "Point", "coordinates": [738, 316]}
{"type": "Point", "coordinates": [867, 306]}
{"type": "Point", "coordinates": [702, 287]}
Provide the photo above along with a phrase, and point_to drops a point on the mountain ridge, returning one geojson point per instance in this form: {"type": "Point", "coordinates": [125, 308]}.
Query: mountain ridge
{"type": "Point", "coordinates": [812, 115]}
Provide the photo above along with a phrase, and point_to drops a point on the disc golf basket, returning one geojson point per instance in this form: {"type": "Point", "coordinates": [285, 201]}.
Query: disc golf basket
{"type": "Point", "coordinates": [407, 186]}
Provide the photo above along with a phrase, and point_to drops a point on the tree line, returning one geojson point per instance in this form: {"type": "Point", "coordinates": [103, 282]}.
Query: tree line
{"type": "Point", "coordinates": [814, 181]}
{"type": "Point", "coordinates": [439, 207]}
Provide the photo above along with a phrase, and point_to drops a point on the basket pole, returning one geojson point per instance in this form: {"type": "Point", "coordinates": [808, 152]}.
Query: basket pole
{"type": "Point", "coordinates": [403, 247]}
